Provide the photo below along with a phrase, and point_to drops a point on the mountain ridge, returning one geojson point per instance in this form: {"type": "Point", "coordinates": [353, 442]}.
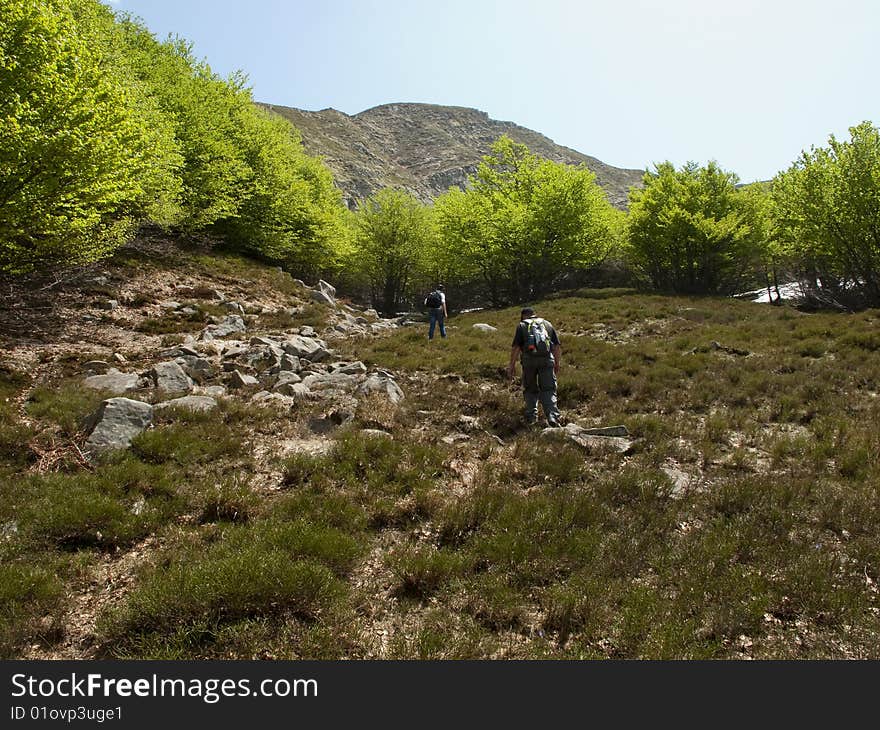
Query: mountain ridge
{"type": "Point", "coordinates": [426, 148]}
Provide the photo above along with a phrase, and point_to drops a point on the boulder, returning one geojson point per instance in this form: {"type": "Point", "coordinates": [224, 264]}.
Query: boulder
{"type": "Point", "coordinates": [170, 377]}
{"type": "Point", "coordinates": [307, 348]}
{"type": "Point", "coordinates": [113, 381]}
{"type": "Point", "coordinates": [621, 431]}
{"type": "Point", "coordinates": [290, 363]}
{"type": "Point", "coordinates": [297, 391]}
{"type": "Point", "coordinates": [214, 391]}
{"type": "Point", "coordinates": [116, 422]}
{"type": "Point", "coordinates": [197, 368]}
{"type": "Point", "coordinates": [328, 289]}
{"type": "Point", "coordinates": [331, 381]}
{"type": "Point", "coordinates": [240, 380]}
{"type": "Point", "coordinates": [383, 385]}
{"type": "Point", "coordinates": [229, 325]}
{"type": "Point", "coordinates": [483, 327]}
{"type": "Point", "coordinates": [198, 403]}
{"type": "Point", "coordinates": [323, 298]}
{"type": "Point", "coordinates": [97, 367]}
{"type": "Point", "coordinates": [349, 368]}
{"type": "Point", "coordinates": [578, 435]}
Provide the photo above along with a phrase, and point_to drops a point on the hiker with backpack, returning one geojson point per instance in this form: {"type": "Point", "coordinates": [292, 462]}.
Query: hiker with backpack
{"type": "Point", "coordinates": [537, 344]}
{"type": "Point", "coordinates": [436, 304]}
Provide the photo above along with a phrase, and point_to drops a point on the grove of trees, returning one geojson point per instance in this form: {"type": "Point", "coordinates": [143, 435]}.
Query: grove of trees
{"type": "Point", "coordinates": [104, 129]}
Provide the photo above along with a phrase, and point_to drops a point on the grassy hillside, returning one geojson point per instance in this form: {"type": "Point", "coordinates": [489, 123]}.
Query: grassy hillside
{"type": "Point", "coordinates": [742, 519]}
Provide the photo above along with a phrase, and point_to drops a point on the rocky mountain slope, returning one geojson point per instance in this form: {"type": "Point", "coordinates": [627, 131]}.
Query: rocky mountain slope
{"type": "Point", "coordinates": [426, 148]}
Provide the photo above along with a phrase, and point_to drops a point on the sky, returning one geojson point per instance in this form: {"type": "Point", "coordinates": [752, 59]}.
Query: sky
{"type": "Point", "coordinates": [747, 83]}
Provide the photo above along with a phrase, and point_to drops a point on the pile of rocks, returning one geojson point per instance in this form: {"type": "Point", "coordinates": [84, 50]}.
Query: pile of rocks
{"type": "Point", "coordinates": [277, 370]}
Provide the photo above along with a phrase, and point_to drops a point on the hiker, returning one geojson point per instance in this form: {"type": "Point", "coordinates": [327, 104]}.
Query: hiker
{"type": "Point", "coordinates": [538, 344]}
{"type": "Point", "coordinates": [436, 304]}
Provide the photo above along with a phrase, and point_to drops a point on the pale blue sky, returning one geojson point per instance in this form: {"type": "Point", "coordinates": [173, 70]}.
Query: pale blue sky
{"type": "Point", "coordinates": [749, 83]}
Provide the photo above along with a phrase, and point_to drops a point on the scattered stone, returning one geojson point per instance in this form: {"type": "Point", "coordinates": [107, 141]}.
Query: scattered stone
{"type": "Point", "coordinates": [198, 403]}
{"type": "Point", "coordinates": [116, 422]}
{"type": "Point", "coordinates": [455, 438]}
{"type": "Point", "coordinates": [169, 304]}
{"type": "Point", "coordinates": [383, 385]}
{"type": "Point", "coordinates": [307, 331]}
{"type": "Point", "coordinates": [240, 380]}
{"type": "Point", "coordinates": [264, 399]}
{"type": "Point", "coordinates": [107, 304]}
{"type": "Point", "coordinates": [290, 362]}
{"type": "Point", "coordinates": [188, 311]}
{"type": "Point", "coordinates": [170, 377]}
{"type": "Point", "coordinates": [185, 290]}
{"type": "Point", "coordinates": [482, 327]}
{"type": "Point", "coordinates": [330, 381]}
{"type": "Point", "coordinates": [288, 376]}
{"type": "Point", "coordinates": [113, 381]}
{"type": "Point", "coordinates": [119, 357]}
{"type": "Point", "coordinates": [265, 341]}
{"type": "Point", "coordinates": [371, 313]}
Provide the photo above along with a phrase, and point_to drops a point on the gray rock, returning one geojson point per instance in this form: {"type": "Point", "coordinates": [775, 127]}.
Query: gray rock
{"type": "Point", "coordinates": [198, 403]}
{"type": "Point", "coordinates": [328, 289]}
{"type": "Point", "coordinates": [265, 341]}
{"type": "Point", "coordinates": [287, 376]}
{"type": "Point", "coordinates": [382, 385]}
{"type": "Point", "coordinates": [233, 308]}
{"type": "Point", "coordinates": [454, 438]}
{"type": "Point", "coordinates": [307, 331]}
{"type": "Point", "coordinates": [116, 422]}
{"type": "Point", "coordinates": [198, 368]}
{"type": "Point", "coordinates": [119, 357]}
{"type": "Point", "coordinates": [297, 391]}
{"type": "Point", "coordinates": [307, 348]}
{"type": "Point", "coordinates": [371, 313]}
{"type": "Point", "coordinates": [578, 435]}
{"type": "Point", "coordinates": [376, 433]}
{"type": "Point", "coordinates": [482, 327]}
{"type": "Point", "coordinates": [107, 304]}
{"type": "Point", "coordinates": [607, 431]}
{"type": "Point", "coordinates": [170, 377]}
{"type": "Point", "coordinates": [229, 325]}
{"type": "Point", "coordinates": [169, 304]}
{"type": "Point", "coordinates": [98, 367]}
{"type": "Point", "coordinates": [240, 380]}
{"type": "Point", "coordinates": [234, 350]}
{"type": "Point", "coordinates": [349, 368]}
{"type": "Point", "coordinates": [113, 381]}
{"type": "Point", "coordinates": [214, 391]}
{"type": "Point", "coordinates": [469, 423]}
{"type": "Point", "coordinates": [331, 381]}
{"type": "Point", "coordinates": [290, 362]}
{"type": "Point", "coordinates": [323, 298]}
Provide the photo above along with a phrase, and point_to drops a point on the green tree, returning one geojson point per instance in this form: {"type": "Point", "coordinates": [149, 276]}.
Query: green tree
{"type": "Point", "coordinates": [524, 224]}
{"type": "Point", "coordinates": [691, 231]}
{"type": "Point", "coordinates": [827, 211]}
{"type": "Point", "coordinates": [81, 157]}
{"type": "Point", "coordinates": [394, 238]}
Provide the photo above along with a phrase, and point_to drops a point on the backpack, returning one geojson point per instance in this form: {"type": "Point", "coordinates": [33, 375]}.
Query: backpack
{"type": "Point", "coordinates": [537, 337]}
{"type": "Point", "coordinates": [434, 300]}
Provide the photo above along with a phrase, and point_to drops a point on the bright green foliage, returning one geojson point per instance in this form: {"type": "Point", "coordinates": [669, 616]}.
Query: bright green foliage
{"type": "Point", "coordinates": [81, 156]}
{"type": "Point", "coordinates": [394, 237]}
{"type": "Point", "coordinates": [289, 209]}
{"type": "Point", "coordinates": [827, 207]}
{"type": "Point", "coordinates": [692, 232]}
{"type": "Point", "coordinates": [524, 224]}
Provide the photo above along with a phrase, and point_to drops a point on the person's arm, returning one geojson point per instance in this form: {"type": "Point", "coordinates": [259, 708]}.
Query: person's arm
{"type": "Point", "coordinates": [514, 354]}
{"type": "Point", "coordinates": [445, 313]}
{"type": "Point", "coordinates": [557, 357]}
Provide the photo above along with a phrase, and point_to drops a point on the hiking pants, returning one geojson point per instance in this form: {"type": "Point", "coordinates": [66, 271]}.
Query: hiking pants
{"type": "Point", "coordinates": [436, 316]}
{"type": "Point", "coordinates": [539, 383]}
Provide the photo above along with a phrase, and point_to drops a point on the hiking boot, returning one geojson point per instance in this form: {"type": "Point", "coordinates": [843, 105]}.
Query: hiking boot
{"type": "Point", "coordinates": [553, 423]}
